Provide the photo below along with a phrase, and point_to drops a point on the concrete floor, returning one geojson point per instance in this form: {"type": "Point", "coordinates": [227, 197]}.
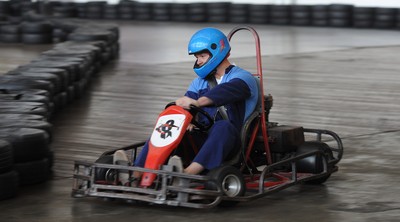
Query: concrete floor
{"type": "Point", "coordinates": [344, 80]}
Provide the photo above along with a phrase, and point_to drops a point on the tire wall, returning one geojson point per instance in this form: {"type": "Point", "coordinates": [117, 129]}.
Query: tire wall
{"type": "Point", "coordinates": [330, 15]}
{"type": "Point", "coordinates": [32, 94]}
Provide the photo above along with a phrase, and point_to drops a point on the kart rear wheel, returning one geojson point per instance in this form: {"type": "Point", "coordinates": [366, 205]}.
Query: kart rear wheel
{"type": "Point", "coordinates": [229, 180]}
{"type": "Point", "coordinates": [314, 164]}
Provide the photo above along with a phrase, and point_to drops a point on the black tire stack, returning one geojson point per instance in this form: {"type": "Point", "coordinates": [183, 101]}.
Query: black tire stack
{"type": "Point", "coordinates": [142, 11]}
{"type": "Point", "coordinates": [40, 32]}
{"type": "Point", "coordinates": [62, 9]}
{"type": "Point", "coordinates": [10, 32]}
{"type": "Point", "coordinates": [363, 17]}
{"type": "Point", "coordinates": [397, 22]}
{"type": "Point", "coordinates": [340, 15]}
{"type": "Point", "coordinates": [280, 14]}
{"type": "Point", "coordinates": [110, 12]}
{"type": "Point", "coordinates": [238, 13]}
{"type": "Point", "coordinates": [179, 12]}
{"type": "Point", "coordinates": [301, 15]}
{"type": "Point", "coordinates": [218, 12]}
{"type": "Point", "coordinates": [9, 180]}
{"type": "Point", "coordinates": [4, 10]}
{"type": "Point", "coordinates": [259, 14]}
{"type": "Point", "coordinates": [320, 15]}
{"type": "Point", "coordinates": [32, 94]}
{"type": "Point", "coordinates": [332, 15]}
{"type": "Point", "coordinates": [385, 18]}
{"type": "Point", "coordinates": [197, 12]}
{"type": "Point", "coordinates": [161, 11]}
{"type": "Point", "coordinates": [126, 10]}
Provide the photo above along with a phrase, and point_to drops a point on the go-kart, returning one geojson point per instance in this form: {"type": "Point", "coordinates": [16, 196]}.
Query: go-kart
{"type": "Point", "coordinates": [272, 157]}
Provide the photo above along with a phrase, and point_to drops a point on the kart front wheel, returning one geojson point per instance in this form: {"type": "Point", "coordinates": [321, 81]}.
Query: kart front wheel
{"type": "Point", "coordinates": [229, 180]}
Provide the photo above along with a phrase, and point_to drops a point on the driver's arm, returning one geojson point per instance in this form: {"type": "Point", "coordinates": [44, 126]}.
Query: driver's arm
{"type": "Point", "coordinates": [185, 102]}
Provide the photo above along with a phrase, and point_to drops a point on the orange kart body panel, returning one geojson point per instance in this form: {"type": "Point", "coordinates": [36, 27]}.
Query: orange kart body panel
{"type": "Point", "coordinates": [167, 134]}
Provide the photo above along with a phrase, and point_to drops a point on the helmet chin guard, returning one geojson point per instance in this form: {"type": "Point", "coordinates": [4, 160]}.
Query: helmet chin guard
{"type": "Point", "coordinates": [212, 41]}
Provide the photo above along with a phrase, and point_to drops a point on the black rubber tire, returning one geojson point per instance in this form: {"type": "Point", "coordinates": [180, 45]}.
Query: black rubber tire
{"type": "Point", "coordinates": [227, 179]}
{"type": "Point", "coordinates": [319, 15]}
{"type": "Point", "coordinates": [69, 68]}
{"type": "Point", "coordinates": [39, 92]}
{"type": "Point", "coordinates": [179, 12]}
{"type": "Point", "coordinates": [65, 77]}
{"type": "Point", "coordinates": [34, 124]}
{"type": "Point", "coordinates": [6, 157]}
{"type": "Point", "coordinates": [28, 144]}
{"type": "Point", "coordinates": [59, 35]}
{"type": "Point", "coordinates": [10, 82]}
{"type": "Point", "coordinates": [90, 34]}
{"type": "Point", "coordinates": [340, 15]}
{"type": "Point", "coordinates": [34, 110]}
{"type": "Point", "coordinates": [9, 184]}
{"type": "Point", "coordinates": [54, 79]}
{"type": "Point", "coordinates": [259, 13]}
{"type": "Point", "coordinates": [10, 38]}
{"type": "Point", "coordinates": [60, 100]}
{"type": "Point", "coordinates": [18, 116]}
{"type": "Point", "coordinates": [10, 29]}
{"type": "Point", "coordinates": [77, 64]}
{"type": "Point", "coordinates": [25, 98]}
{"type": "Point", "coordinates": [218, 11]}
{"type": "Point", "coordinates": [142, 11]}
{"type": "Point", "coordinates": [28, 38]}
{"type": "Point", "coordinates": [14, 103]}
{"type": "Point", "coordinates": [63, 11]}
{"type": "Point", "coordinates": [300, 15]}
{"type": "Point", "coordinates": [100, 173]}
{"type": "Point", "coordinates": [197, 12]}
{"type": "Point", "coordinates": [36, 27]}
{"type": "Point", "coordinates": [238, 13]}
{"type": "Point", "coordinates": [280, 14]}
{"type": "Point", "coordinates": [33, 172]}
{"type": "Point", "coordinates": [363, 17]}
{"type": "Point", "coordinates": [161, 11]}
{"type": "Point", "coordinates": [313, 164]}
{"type": "Point", "coordinates": [384, 18]}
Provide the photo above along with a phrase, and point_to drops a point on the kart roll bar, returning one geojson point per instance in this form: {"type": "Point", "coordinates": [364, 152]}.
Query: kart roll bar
{"type": "Point", "coordinates": [258, 75]}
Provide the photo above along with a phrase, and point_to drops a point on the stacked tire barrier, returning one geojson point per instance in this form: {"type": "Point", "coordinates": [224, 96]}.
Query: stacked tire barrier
{"type": "Point", "coordinates": [32, 94]}
{"type": "Point", "coordinates": [332, 15]}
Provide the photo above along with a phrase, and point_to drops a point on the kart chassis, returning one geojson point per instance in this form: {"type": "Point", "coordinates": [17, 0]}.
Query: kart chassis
{"type": "Point", "coordinates": [192, 190]}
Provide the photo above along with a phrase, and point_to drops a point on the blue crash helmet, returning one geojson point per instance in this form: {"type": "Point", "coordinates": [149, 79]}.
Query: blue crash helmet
{"type": "Point", "coordinates": [213, 41]}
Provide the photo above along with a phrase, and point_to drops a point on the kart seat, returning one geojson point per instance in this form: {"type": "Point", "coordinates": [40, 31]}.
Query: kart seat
{"type": "Point", "coordinates": [248, 125]}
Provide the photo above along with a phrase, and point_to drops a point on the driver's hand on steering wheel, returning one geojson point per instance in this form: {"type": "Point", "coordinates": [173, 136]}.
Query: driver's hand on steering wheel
{"type": "Point", "coordinates": [190, 127]}
{"type": "Point", "coordinates": [185, 102]}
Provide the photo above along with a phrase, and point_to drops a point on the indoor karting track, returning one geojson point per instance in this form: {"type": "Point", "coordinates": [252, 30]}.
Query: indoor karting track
{"type": "Point", "coordinates": [344, 80]}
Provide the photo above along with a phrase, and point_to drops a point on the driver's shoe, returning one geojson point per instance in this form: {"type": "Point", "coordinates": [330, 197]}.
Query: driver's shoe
{"type": "Point", "coordinates": [176, 163]}
{"type": "Point", "coordinates": [120, 158]}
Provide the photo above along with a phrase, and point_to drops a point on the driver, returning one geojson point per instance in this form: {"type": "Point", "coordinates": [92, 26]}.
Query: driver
{"type": "Point", "coordinates": [226, 92]}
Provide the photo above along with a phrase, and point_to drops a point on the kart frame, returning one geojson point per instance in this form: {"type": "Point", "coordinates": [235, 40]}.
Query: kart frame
{"type": "Point", "coordinates": [191, 190]}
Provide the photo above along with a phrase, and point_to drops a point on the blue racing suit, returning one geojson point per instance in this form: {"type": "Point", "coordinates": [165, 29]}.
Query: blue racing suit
{"type": "Point", "coordinates": [238, 93]}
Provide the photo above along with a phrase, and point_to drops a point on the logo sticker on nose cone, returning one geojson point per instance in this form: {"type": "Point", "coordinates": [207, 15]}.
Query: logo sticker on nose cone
{"type": "Point", "coordinates": [167, 129]}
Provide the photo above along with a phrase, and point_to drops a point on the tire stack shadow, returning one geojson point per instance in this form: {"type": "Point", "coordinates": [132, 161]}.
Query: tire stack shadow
{"type": "Point", "coordinates": [32, 94]}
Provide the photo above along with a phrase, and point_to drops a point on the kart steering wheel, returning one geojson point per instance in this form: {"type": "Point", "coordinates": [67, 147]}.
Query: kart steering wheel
{"type": "Point", "coordinates": [195, 110]}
